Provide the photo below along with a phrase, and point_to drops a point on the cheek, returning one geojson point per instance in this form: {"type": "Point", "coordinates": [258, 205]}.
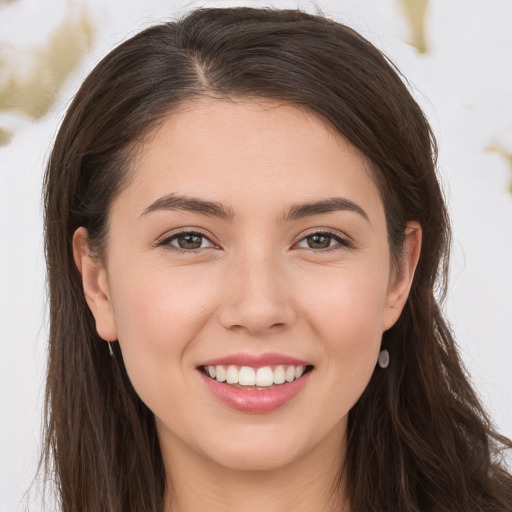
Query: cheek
{"type": "Point", "coordinates": [346, 314]}
{"type": "Point", "coordinates": [347, 300]}
{"type": "Point", "coordinates": [158, 317]}
{"type": "Point", "coordinates": [155, 302]}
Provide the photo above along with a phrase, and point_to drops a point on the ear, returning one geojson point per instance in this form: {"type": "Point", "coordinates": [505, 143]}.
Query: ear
{"type": "Point", "coordinates": [95, 284]}
{"type": "Point", "coordinates": [401, 278]}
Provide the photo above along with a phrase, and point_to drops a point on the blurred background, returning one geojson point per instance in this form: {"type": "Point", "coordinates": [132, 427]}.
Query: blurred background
{"type": "Point", "coordinates": [457, 57]}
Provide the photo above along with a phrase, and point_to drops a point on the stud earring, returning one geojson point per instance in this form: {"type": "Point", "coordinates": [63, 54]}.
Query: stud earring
{"type": "Point", "coordinates": [383, 360]}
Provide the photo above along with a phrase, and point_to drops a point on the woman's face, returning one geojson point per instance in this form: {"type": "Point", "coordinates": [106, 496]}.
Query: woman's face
{"type": "Point", "coordinates": [250, 236]}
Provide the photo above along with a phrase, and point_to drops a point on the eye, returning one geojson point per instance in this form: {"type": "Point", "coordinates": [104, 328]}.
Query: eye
{"type": "Point", "coordinates": [322, 240]}
{"type": "Point", "coordinates": [187, 241]}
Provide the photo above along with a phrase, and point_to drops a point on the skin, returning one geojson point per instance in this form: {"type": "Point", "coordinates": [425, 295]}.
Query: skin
{"type": "Point", "coordinates": [254, 285]}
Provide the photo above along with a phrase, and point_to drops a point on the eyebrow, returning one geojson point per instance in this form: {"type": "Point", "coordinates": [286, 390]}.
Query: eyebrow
{"type": "Point", "coordinates": [191, 204]}
{"type": "Point", "coordinates": [214, 209]}
{"type": "Point", "coordinates": [333, 204]}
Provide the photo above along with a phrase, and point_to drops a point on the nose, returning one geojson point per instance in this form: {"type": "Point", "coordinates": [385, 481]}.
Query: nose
{"type": "Point", "coordinates": [258, 298]}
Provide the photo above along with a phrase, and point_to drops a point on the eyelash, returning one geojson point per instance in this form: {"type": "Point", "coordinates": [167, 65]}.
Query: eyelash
{"type": "Point", "coordinates": [166, 242]}
{"type": "Point", "coordinates": [341, 242]}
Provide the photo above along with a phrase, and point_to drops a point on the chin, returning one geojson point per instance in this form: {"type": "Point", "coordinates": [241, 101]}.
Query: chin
{"type": "Point", "coordinates": [256, 452]}
{"type": "Point", "coordinates": [250, 461]}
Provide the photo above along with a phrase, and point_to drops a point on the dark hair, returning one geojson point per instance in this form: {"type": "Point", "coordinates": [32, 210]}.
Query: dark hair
{"type": "Point", "coordinates": [418, 438]}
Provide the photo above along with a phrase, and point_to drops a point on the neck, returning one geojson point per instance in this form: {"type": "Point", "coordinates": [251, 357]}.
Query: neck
{"type": "Point", "coordinates": [311, 482]}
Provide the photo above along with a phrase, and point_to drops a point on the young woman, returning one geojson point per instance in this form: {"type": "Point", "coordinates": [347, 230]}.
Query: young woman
{"type": "Point", "coordinates": [246, 244]}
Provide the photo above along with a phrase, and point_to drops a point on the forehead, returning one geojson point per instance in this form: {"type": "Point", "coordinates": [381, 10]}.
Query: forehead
{"type": "Point", "coordinates": [233, 150]}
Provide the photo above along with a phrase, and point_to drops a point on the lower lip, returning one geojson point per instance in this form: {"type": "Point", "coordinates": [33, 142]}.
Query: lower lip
{"type": "Point", "coordinates": [256, 401]}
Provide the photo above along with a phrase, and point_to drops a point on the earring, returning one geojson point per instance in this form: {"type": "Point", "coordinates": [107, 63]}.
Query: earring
{"type": "Point", "coordinates": [111, 352]}
{"type": "Point", "coordinates": [383, 360]}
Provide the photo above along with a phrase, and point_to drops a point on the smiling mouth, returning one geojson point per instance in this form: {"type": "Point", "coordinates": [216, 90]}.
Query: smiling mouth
{"type": "Point", "coordinates": [260, 379]}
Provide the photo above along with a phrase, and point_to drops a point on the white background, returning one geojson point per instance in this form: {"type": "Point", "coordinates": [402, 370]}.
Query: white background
{"type": "Point", "coordinates": [464, 84]}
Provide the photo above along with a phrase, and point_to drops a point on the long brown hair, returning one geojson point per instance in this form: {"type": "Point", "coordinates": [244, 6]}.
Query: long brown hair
{"type": "Point", "coordinates": [418, 438]}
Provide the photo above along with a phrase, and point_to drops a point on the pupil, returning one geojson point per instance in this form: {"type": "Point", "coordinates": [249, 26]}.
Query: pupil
{"type": "Point", "coordinates": [319, 241]}
{"type": "Point", "coordinates": [189, 241]}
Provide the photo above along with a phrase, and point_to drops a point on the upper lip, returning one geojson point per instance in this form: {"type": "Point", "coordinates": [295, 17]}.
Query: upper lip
{"type": "Point", "coordinates": [255, 360]}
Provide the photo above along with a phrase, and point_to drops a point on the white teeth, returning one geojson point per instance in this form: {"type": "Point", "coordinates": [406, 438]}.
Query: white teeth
{"type": "Point", "coordinates": [232, 375]}
{"type": "Point", "coordinates": [247, 377]}
{"type": "Point", "coordinates": [279, 375]}
{"type": "Point", "coordinates": [263, 377]}
{"type": "Point", "coordinates": [220, 373]}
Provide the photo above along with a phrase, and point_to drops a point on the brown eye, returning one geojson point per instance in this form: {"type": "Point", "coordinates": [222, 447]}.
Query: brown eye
{"type": "Point", "coordinates": [187, 241]}
{"type": "Point", "coordinates": [318, 241]}
{"type": "Point", "coordinates": [323, 240]}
